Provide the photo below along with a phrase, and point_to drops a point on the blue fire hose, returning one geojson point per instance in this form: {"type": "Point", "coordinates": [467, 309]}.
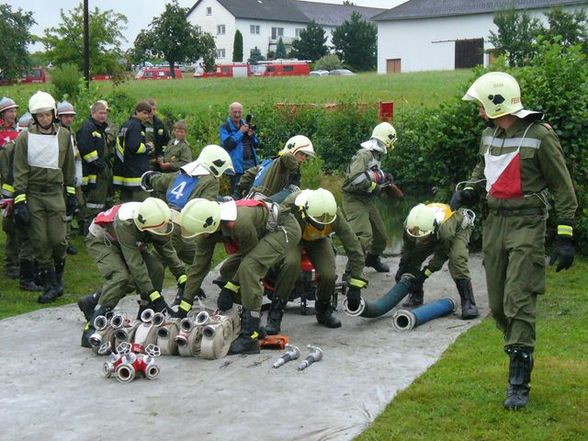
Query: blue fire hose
{"type": "Point", "coordinates": [405, 320]}
{"type": "Point", "coordinates": [373, 309]}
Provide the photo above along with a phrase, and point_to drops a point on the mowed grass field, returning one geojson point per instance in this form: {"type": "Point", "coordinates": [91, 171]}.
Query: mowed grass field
{"type": "Point", "coordinates": [189, 95]}
{"type": "Point", "coordinates": [460, 397]}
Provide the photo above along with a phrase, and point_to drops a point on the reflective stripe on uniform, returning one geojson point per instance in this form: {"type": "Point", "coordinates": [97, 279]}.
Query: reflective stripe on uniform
{"type": "Point", "coordinates": [491, 141]}
{"type": "Point", "coordinates": [90, 157]}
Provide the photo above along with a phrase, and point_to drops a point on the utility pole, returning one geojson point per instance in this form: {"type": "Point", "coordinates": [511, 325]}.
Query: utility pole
{"type": "Point", "coordinates": [86, 45]}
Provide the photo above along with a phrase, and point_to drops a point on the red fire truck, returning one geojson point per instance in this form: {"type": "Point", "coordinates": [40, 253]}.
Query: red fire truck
{"type": "Point", "coordinates": [157, 73]}
{"type": "Point", "coordinates": [36, 75]}
{"type": "Point", "coordinates": [281, 68]}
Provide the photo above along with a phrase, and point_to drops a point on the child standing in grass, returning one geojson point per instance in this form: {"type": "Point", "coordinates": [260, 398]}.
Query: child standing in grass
{"type": "Point", "coordinates": [178, 152]}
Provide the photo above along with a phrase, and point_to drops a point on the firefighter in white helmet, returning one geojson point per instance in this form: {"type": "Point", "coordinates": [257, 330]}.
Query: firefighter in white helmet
{"type": "Point", "coordinates": [318, 216]}
{"type": "Point", "coordinates": [120, 240]}
{"type": "Point", "coordinates": [363, 183]}
{"type": "Point", "coordinates": [44, 172]}
{"type": "Point", "coordinates": [520, 160]}
{"type": "Point", "coordinates": [278, 176]}
{"type": "Point", "coordinates": [434, 230]}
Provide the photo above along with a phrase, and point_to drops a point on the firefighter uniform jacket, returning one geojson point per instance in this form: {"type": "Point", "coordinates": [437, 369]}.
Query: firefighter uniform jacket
{"type": "Point", "coordinates": [271, 176]}
{"type": "Point", "coordinates": [48, 164]}
{"type": "Point", "coordinates": [132, 158]}
{"type": "Point", "coordinates": [92, 144]}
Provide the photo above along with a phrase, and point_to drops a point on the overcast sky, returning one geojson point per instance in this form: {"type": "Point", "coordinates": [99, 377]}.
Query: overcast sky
{"type": "Point", "coordinates": [138, 12]}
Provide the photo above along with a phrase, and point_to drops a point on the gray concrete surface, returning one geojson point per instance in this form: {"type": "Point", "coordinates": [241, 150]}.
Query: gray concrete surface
{"type": "Point", "coordinates": [52, 389]}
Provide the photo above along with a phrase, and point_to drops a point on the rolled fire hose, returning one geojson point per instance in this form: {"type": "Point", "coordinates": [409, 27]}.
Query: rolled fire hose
{"type": "Point", "coordinates": [146, 334]}
{"type": "Point", "coordinates": [216, 338]}
{"type": "Point", "coordinates": [126, 333]}
{"type": "Point", "coordinates": [405, 320]}
{"type": "Point", "coordinates": [379, 307]}
{"type": "Point", "coordinates": [166, 338]}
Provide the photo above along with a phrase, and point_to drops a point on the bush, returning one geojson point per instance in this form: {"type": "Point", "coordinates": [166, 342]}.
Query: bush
{"type": "Point", "coordinates": [66, 80]}
{"type": "Point", "coordinates": [328, 62]}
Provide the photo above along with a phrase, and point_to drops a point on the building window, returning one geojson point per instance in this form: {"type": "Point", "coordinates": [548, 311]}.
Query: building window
{"type": "Point", "coordinates": [220, 53]}
{"type": "Point", "coordinates": [277, 33]}
{"type": "Point", "coordinates": [298, 32]}
{"type": "Point", "coordinates": [220, 29]}
{"type": "Point", "coordinates": [209, 11]}
{"type": "Point", "coordinates": [254, 29]}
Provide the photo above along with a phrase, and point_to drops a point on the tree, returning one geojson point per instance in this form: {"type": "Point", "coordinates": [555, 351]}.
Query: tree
{"type": "Point", "coordinates": [238, 47]}
{"type": "Point", "coordinates": [172, 37]}
{"type": "Point", "coordinates": [14, 28]}
{"type": "Point", "coordinates": [311, 44]}
{"type": "Point", "coordinates": [328, 62]}
{"type": "Point", "coordinates": [281, 49]}
{"type": "Point", "coordinates": [517, 33]}
{"type": "Point", "coordinates": [255, 56]}
{"type": "Point", "coordinates": [571, 28]}
{"type": "Point", "coordinates": [64, 43]}
{"type": "Point", "coordinates": [355, 42]}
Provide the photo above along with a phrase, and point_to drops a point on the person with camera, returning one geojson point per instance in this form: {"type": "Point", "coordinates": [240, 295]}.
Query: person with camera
{"type": "Point", "coordinates": [237, 136]}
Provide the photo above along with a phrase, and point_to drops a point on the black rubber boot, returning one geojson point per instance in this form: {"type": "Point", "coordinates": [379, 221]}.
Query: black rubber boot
{"type": "Point", "coordinates": [415, 298]}
{"type": "Point", "coordinates": [274, 319]}
{"type": "Point", "coordinates": [71, 250]}
{"type": "Point", "coordinates": [27, 277]}
{"type": "Point", "coordinates": [469, 310]}
{"type": "Point", "coordinates": [324, 315]}
{"type": "Point", "coordinates": [11, 271]}
{"type": "Point", "coordinates": [519, 377]}
{"type": "Point", "coordinates": [89, 326]}
{"type": "Point", "coordinates": [374, 262]}
{"type": "Point", "coordinates": [88, 303]}
{"type": "Point", "coordinates": [59, 269]}
{"type": "Point", "coordinates": [51, 288]}
{"type": "Point", "coordinates": [247, 342]}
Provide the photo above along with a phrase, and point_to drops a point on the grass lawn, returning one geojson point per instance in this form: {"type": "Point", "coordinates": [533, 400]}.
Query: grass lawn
{"type": "Point", "coordinates": [460, 397]}
{"type": "Point", "coordinates": [191, 95]}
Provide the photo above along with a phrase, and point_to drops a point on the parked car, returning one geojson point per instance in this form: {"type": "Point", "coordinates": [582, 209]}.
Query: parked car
{"type": "Point", "coordinates": [319, 73]}
{"type": "Point", "coordinates": [341, 72]}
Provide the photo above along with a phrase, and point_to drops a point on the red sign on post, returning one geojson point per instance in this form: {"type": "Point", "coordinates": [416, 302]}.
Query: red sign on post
{"type": "Point", "coordinates": [386, 110]}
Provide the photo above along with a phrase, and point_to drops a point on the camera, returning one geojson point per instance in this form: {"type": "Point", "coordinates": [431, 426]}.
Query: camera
{"type": "Point", "coordinates": [249, 121]}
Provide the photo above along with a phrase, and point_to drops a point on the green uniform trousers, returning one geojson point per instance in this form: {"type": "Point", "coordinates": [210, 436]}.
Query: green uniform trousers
{"type": "Point", "coordinates": [48, 227]}
{"type": "Point", "coordinates": [97, 197]}
{"type": "Point", "coordinates": [366, 222]}
{"type": "Point", "coordinates": [514, 259]}
{"type": "Point", "coordinates": [11, 241]}
{"type": "Point", "coordinates": [117, 277]}
{"type": "Point", "coordinates": [252, 267]}
{"type": "Point", "coordinates": [322, 256]}
{"type": "Point", "coordinates": [132, 195]}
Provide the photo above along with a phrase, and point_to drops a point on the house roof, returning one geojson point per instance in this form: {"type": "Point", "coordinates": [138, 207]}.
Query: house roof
{"type": "Point", "coordinates": [416, 9]}
{"type": "Point", "coordinates": [328, 14]}
{"type": "Point", "coordinates": [294, 11]}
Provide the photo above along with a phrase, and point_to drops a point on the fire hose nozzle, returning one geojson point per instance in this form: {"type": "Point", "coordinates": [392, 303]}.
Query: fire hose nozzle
{"type": "Point", "coordinates": [125, 373]}
{"type": "Point", "coordinates": [151, 370]}
{"type": "Point", "coordinates": [117, 321]}
{"type": "Point", "coordinates": [186, 325]}
{"type": "Point", "coordinates": [292, 353]}
{"type": "Point", "coordinates": [100, 323]}
{"type": "Point", "coordinates": [147, 315]}
{"type": "Point", "coordinates": [157, 319]}
{"type": "Point", "coordinates": [202, 318]}
{"type": "Point", "coordinates": [316, 354]}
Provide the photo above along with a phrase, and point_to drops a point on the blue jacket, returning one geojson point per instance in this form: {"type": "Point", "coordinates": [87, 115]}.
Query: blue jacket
{"type": "Point", "coordinates": [231, 139]}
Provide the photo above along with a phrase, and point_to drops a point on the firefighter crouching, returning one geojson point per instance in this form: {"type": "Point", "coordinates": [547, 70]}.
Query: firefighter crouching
{"type": "Point", "coordinates": [120, 241]}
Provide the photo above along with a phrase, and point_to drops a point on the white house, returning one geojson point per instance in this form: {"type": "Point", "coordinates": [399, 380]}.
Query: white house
{"type": "Point", "coordinates": [422, 35]}
{"type": "Point", "coordinates": [264, 22]}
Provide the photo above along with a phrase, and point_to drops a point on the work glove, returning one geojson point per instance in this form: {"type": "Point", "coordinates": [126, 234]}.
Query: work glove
{"type": "Point", "coordinates": [419, 280]}
{"type": "Point", "coordinates": [354, 293]}
{"type": "Point", "coordinates": [225, 298]}
{"type": "Point", "coordinates": [563, 249]}
{"type": "Point", "coordinates": [71, 201]}
{"type": "Point", "coordinates": [157, 303]}
{"type": "Point", "coordinates": [146, 180]}
{"type": "Point", "coordinates": [22, 215]}
{"type": "Point", "coordinates": [181, 286]}
{"type": "Point", "coordinates": [388, 178]}
{"type": "Point", "coordinates": [466, 197]}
